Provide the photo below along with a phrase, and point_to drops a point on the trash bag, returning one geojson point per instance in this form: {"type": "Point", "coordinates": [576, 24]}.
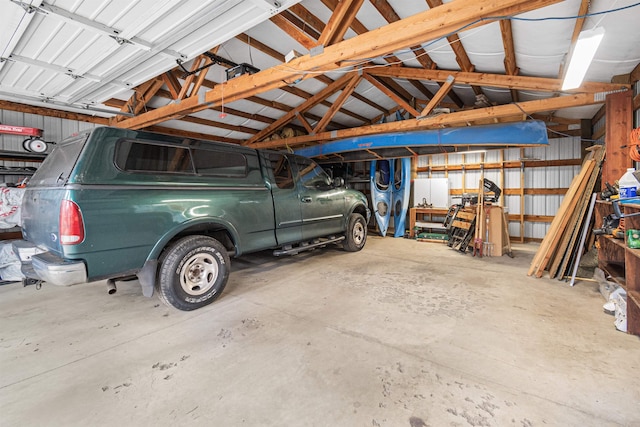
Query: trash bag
{"type": "Point", "coordinates": [9, 264]}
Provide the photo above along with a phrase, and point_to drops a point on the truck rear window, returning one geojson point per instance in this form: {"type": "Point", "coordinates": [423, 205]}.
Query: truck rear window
{"type": "Point", "coordinates": [57, 167]}
{"type": "Point", "coordinates": [136, 156]}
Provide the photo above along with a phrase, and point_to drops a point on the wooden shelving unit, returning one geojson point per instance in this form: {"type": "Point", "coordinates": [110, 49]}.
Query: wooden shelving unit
{"type": "Point", "coordinates": [621, 262]}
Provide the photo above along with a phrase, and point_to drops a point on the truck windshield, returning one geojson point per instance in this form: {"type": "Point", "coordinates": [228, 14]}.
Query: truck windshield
{"type": "Point", "coordinates": [56, 168]}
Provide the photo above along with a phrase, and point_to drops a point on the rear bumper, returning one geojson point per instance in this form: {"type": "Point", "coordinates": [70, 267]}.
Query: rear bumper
{"type": "Point", "coordinates": [49, 267]}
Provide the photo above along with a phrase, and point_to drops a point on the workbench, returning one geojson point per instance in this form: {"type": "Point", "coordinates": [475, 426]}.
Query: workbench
{"type": "Point", "coordinates": [414, 220]}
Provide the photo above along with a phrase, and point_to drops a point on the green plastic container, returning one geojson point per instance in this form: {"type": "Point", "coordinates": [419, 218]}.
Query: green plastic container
{"type": "Point", "coordinates": [633, 239]}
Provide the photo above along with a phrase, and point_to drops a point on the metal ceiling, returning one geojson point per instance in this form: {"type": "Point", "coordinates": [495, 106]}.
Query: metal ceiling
{"type": "Point", "coordinates": [82, 53]}
{"type": "Point", "coordinates": [97, 56]}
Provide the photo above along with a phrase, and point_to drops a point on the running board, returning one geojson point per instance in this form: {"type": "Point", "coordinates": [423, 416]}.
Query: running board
{"type": "Point", "coordinates": [306, 246]}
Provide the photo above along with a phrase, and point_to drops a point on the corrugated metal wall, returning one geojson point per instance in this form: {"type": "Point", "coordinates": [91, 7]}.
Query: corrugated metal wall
{"type": "Point", "coordinates": [534, 178]}
{"type": "Point", "coordinates": [55, 129]}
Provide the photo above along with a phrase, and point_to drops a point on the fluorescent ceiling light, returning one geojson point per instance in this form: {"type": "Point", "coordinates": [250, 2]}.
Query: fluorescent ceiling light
{"type": "Point", "coordinates": [583, 53]}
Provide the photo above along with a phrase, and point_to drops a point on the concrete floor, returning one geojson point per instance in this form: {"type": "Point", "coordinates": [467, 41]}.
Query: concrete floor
{"type": "Point", "coordinates": [402, 333]}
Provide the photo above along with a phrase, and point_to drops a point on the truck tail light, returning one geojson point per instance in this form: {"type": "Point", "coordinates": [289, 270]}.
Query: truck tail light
{"type": "Point", "coordinates": [71, 224]}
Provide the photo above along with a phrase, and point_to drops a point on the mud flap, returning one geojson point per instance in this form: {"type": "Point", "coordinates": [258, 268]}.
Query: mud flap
{"type": "Point", "coordinates": [147, 277]}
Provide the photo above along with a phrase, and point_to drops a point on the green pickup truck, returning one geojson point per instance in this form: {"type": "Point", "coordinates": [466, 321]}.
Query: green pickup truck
{"type": "Point", "coordinates": [117, 204]}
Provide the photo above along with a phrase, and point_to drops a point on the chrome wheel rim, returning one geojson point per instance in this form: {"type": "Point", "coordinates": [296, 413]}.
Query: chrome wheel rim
{"type": "Point", "coordinates": [198, 275]}
{"type": "Point", "coordinates": [358, 233]}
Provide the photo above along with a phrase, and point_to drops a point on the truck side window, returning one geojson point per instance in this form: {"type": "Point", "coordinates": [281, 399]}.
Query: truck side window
{"type": "Point", "coordinates": [220, 163]}
{"type": "Point", "coordinates": [281, 170]}
{"type": "Point", "coordinates": [133, 156]}
{"type": "Point", "coordinates": [312, 175]}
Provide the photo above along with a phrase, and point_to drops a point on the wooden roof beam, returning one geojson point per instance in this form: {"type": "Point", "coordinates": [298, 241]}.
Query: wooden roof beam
{"type": "Point", "coordinates": [462, 58]}
{"type": "Point", "coordinates": [510, 64]}
{"type": "Point", "coordinates": [337, 104]}
{"type": "Point", "coordinates": [117, 103]}
{"type": "Point", "coordinates": [339, 22]}
{"type": "Point", "coordinates": [389, 14]}
{"type": "Point", "coordinates": [142, 94]}
{"type": "Point", "coordinates": [191, 134]}
{"type": "Point", "coordinates": [260, 101]}
{"type": "Point", "coordinates": [293, 31]}
{"type": "Point", "coordinates": [493, 80]}
{"type": "Point", "coordinates": [410, 31]}
{"type": "Point", "coordinates": [172, 83]}
{"type": "Point", "coordinates": [446, 87]}
{"type": "Point", "coordinates": [260, 46]}
{"type": "Point", "coordinates": [459, 118]}
{"type": "Point", "coordinates": [296, 91]}
{"type": "Point", "coordinates": [301, 24]}
{"type": "Point", "coordinates": [49, 112]}
{"type": "Point", "coordinates": [202, 74]}
{"type": "Point", "coordinates": [308, 18]}
{"type": "Point", "coordinates": [309, 103]}
{"type": "Point", "coordinates": [197, 63]}
{"type": "Point", "coordinates": [422, 56]}
{"type": "Point", "coordinates": [391, 94]}
{"type": "Point", "coordinates": [577, 28]}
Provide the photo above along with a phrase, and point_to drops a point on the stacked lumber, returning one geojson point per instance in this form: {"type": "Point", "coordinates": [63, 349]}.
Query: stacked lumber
{"type": "Point", "coordinates": [558, 249]}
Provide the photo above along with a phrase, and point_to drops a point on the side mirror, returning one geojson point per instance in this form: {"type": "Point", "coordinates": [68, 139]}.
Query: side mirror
{"type": "Point", "coordinates": [338, 182]}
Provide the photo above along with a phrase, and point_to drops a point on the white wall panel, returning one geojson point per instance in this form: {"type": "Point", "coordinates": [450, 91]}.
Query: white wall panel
{"type": "Point", "coordinates": [551, 177]}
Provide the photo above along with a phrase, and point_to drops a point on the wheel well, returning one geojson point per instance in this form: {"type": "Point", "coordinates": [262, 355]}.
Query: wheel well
{"type": "Point", "coordinates": [216, 231]}
{"type": "Point", "coordinates": [361, 210]}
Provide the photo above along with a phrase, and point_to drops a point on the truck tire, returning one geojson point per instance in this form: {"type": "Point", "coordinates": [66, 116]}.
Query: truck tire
{"type": "Point", "coordinates": [356, 235]}
{"type": "Point", "coordinates": [193, 272]}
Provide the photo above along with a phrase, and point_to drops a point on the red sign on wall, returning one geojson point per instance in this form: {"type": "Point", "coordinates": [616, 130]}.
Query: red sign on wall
{"type": "Point", "coordinates": [20, 130]}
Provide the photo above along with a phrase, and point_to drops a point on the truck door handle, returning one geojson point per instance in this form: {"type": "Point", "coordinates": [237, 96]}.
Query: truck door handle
{"type": "Point", "coordinates": [306, 199]}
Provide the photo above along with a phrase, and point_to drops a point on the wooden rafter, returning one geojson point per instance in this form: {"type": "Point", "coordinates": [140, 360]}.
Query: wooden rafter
{"type": "Point", "coordinates": [197, 63]}
{"type": "Point", "coordinates": [309, 103]}
{"type": "Point", "coordinates": [509, 50]}
{"type": "Point", "coordinates": [418, 28]}
{"type": "Point", "coordinates": [444, 90]}
{"type": "Point", "coordinates": [250, 41]}
{"type": "Point", "coordinates": [198, 120]}
{"type": "Point", "coordinates": [510, 64]}
{"type": "Point", "coordinates": [309, 19]}
{"type": "Point", "coordinates": [301, 24]}
{"type": "Point", "coordinates": [326, 80]}
{"type": "Point", "coordinates": [335, 107]}
{"type": "Point", "coordinates": [298, 92]}
{"type": "Point", "coordinates": [396, 88]}
{"type": "Point", "coordinates": [456, 45]}
{"type": "Point", "coordinates": [577, 28]}
{"type": "Point", "coordinates": [304, 122]}
{"type": "Point", "coordinates": [48, 112]}
{"type": "Point", "coordinates": [493, 80]}
{"type": "Point", "coordinates": [190, 134]}
{"type": "Point", "coordinates": [391, 94]}
{"type": "Point", "coordinates": [339, 22]}
{"type": "Point", "coordinates": [142, 94]}
{"type": "Point", "coordinates": [172, 83]}
{"type": "Point", "coordinates": [260, 101]}
{"type": "Point", "coordinates": [293, 31]}
{"type": "Point", "coordinates": [167, 95]}
{"type": "Point", "coordinates": [390, 15]}
{"type": "Point", "coordinates": [460, 118]}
